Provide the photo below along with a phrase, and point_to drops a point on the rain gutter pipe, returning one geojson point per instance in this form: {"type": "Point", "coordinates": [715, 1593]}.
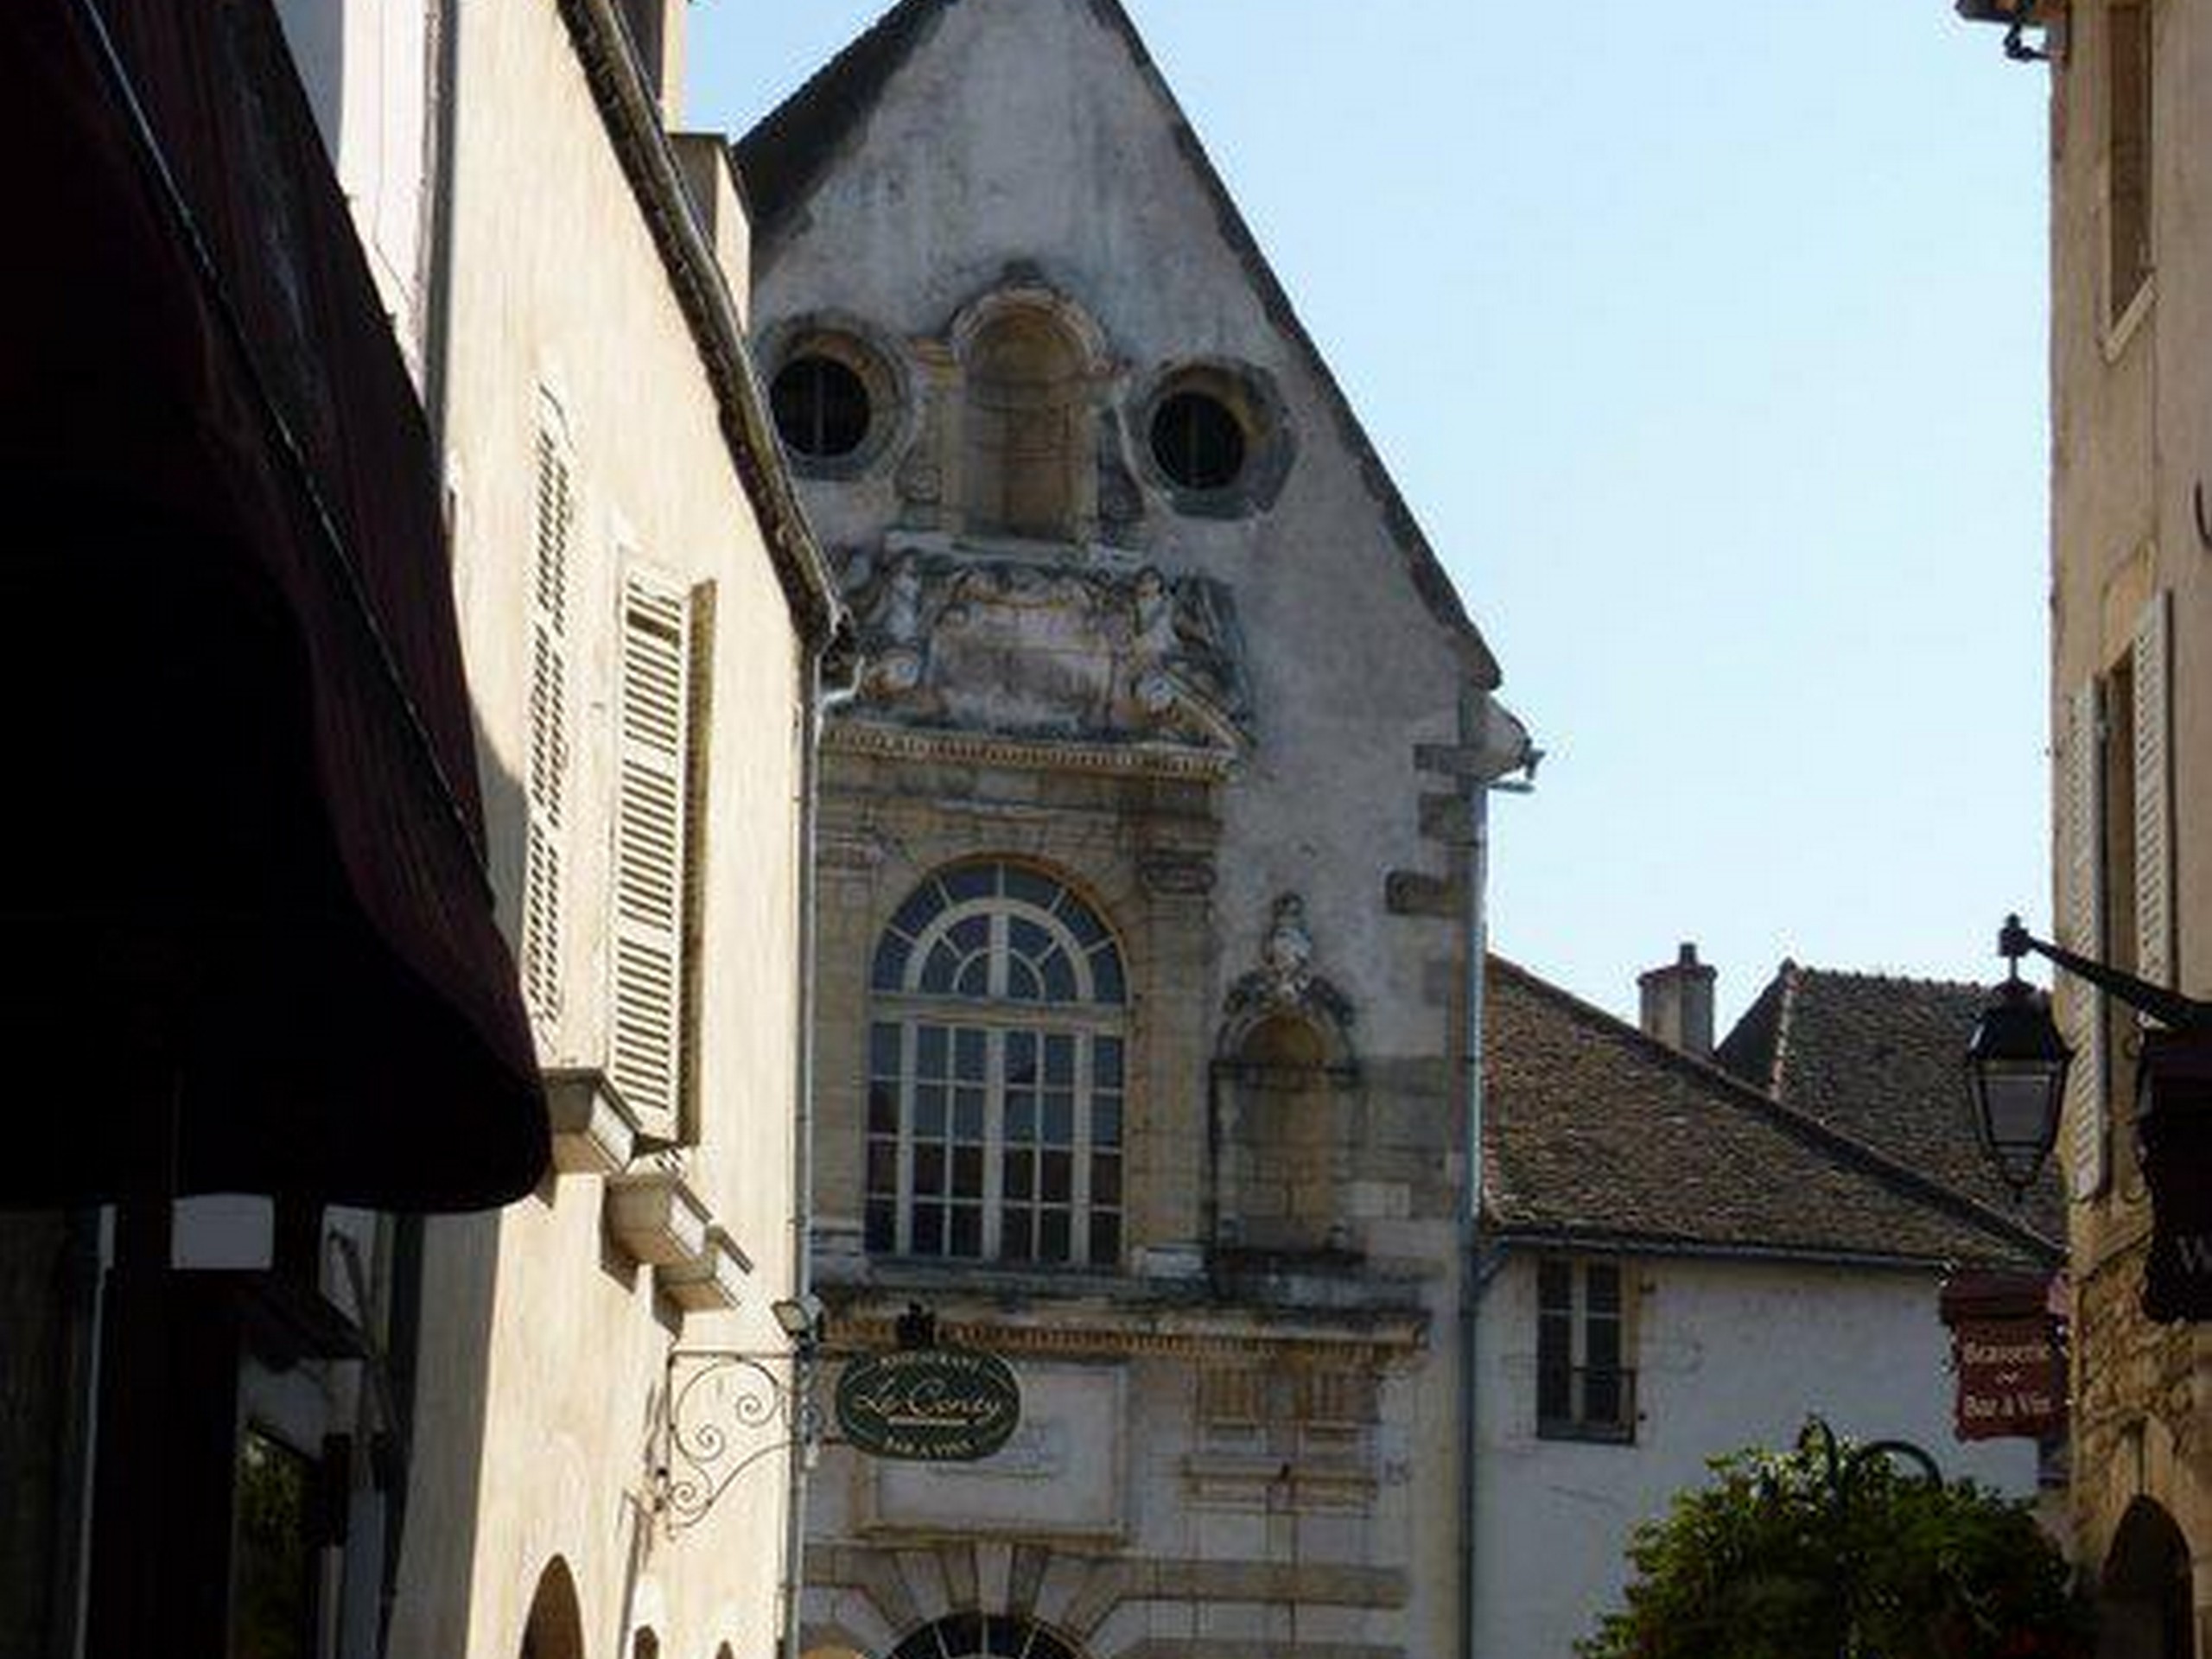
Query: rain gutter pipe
{"type": "Point", "coordinates": [1475, 920]}
{"type": "Point", "coordinates": [818, 694]}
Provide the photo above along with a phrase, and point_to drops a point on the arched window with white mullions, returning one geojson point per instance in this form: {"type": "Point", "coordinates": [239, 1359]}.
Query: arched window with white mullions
{"type": "Point", "coordinates": [995, 1073]}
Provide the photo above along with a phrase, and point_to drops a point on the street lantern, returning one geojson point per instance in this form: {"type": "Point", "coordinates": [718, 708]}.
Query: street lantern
{"type": "Point", "coordinates": [2016, 1065]}
{"type": "Point", "coordinates": [2018, 16]}
{"type": "Point", "coordinates": [2016, 1071]}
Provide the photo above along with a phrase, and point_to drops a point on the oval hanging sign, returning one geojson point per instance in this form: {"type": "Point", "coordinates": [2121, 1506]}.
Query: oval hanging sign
{"type": "Point", "coordinates": [928, 1405]}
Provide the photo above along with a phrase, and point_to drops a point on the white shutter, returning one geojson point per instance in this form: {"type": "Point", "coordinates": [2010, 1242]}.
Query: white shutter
{"type": "Point", "coordinates": [2153, 763]}
{"type": "Point", "coordinates": [2081, 829]}
{"type": "Point", "coordinates": [545, 787]}
{"type": "Point", "coordinates": [653, 736]}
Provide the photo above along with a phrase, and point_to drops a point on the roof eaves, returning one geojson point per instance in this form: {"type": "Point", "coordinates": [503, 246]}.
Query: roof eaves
{"type": "Point", "coordinates": [1593, 1241]}
{"type": "Point", "coordinates": [642, 147]}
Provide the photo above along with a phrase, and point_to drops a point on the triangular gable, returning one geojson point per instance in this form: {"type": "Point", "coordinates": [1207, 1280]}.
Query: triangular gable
{"type": "Point", "coordinates": [785, 157]}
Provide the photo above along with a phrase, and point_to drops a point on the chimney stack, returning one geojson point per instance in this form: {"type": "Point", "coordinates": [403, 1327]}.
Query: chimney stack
{"type": "Point", "coordinates": [1678, 1003]}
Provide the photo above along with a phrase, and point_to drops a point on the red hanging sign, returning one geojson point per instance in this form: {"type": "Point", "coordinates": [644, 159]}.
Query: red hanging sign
{"type": "Point", "coordinates": [2010, 1358]}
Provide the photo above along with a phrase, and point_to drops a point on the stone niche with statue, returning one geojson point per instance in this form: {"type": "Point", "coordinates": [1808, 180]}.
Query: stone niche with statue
{"type": "Point", "coordinates": [1095, 651]}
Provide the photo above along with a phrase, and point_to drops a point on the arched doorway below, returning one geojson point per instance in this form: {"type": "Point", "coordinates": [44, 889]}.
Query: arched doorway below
{"type": "Point", "coordinates": [2145, 1604]}
{"type": "Point", "coordinates": [554, 1629]}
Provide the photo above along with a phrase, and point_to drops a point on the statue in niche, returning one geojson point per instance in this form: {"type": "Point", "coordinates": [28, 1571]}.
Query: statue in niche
{"type": "Point", "coordinates": [1285, 980]}
{"type": "Point", "coordinates": [1286, 954]}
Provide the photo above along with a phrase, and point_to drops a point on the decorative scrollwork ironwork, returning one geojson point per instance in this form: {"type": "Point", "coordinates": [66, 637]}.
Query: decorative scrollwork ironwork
{"type": "Point", "coordinates": [726, 1411]}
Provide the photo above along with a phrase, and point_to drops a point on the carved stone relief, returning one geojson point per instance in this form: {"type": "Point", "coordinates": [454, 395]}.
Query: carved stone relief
{"type": "Point", "coordinates": [1048, 649]}
{"type": "Point", "coordinates": [1285, 980]}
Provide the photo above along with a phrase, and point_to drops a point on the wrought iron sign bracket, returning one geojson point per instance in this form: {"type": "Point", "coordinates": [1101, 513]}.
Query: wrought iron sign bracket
{"type": "Point", "coordinates": [726, 1409]}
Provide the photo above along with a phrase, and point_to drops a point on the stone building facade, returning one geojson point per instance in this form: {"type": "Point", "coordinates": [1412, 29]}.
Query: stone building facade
{"type": "Point", "coordinates": [1147, 873]}
{"type": "Point", "coordinates": [2131, 314]}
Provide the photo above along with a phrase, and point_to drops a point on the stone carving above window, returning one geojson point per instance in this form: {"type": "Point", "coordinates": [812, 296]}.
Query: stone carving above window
{"type": "Point", "coordinates": [1046, 650]}
{"type": "Point", "coordinates": [1285, 981]}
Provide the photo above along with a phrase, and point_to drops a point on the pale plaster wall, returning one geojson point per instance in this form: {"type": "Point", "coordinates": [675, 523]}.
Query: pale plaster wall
{"type": "Point", "coordinates": [365, 65]}
{"type": "Point", "coordinates": [1727, 1355]}
{"type": "Point", "coordinates": [2132, 443]}
{"type": "Point", "coordinates": [542, 1370]}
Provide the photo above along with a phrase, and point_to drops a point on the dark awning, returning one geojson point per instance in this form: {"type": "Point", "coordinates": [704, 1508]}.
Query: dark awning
{"type": "Point", "coordinates": [248, 939]}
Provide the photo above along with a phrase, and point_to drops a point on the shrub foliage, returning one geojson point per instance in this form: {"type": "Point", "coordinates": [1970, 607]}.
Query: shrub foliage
{"type": "Point", "coordinates": [1832, 1549]}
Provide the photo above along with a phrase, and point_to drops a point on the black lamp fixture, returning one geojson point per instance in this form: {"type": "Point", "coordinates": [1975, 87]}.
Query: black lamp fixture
{"type": "Point", "coordinates": [2016, 1071]}
{"type": "Point", "coordinates": [2016, 1061]}
{"type": "Point", "coordinates": [2016, 15]}
{"type": "Point", "coordinates": [2018, 1089]}
{"type": "Point", "coordinates": [802, 1318]}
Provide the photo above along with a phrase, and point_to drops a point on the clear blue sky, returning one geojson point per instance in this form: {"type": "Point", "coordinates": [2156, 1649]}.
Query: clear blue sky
{"type": "Point", "coordinates": [1708, 347]}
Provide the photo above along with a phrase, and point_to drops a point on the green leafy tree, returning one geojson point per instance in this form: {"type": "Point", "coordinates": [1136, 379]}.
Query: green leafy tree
{"type": "Point", "coordinates": [1833, 1549]}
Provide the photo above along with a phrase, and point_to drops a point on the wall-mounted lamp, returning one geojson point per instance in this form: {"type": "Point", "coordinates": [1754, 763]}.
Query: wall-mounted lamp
{"type": "Point", "coordinates": [2018, 1079]}
{"type": "Point", "coordinates": [2018, 16]}
{"type": "Point", "coordinates": [2015, 1072]}
{"type": "Point", "coordinates": [801, 1318]}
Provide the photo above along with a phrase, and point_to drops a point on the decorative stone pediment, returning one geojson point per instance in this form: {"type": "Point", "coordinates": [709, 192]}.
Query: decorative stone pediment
{"type": "Point", "coordinates": [964, 641]}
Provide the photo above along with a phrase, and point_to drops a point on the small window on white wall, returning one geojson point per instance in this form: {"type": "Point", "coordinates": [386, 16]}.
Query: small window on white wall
{"type": "Point", "coordinates": [1586, 1389]}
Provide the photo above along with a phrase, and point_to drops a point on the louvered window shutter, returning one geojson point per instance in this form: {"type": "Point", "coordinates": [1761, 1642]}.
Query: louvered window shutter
{"type": "Point", "coordinates": [2081, 925]}
{"type": "Point", "coordinates": [546, 787]}
{"type": "Point", "coordinates": [2153, 758]}
{"type": "Point", "coordinates": [654, 727]}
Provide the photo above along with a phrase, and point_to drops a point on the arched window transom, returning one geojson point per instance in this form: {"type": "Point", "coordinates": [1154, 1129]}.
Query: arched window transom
{"type": "Point", "coordinates": [982, 1636]}
{"type": "Point", "coordinates": [995, 1074]}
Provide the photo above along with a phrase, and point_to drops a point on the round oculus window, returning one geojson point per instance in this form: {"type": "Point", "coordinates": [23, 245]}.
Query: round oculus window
{"type": "Point", "coordinates": [821, 407]}
{"type": "Point", "coordinates": [1197, 441]}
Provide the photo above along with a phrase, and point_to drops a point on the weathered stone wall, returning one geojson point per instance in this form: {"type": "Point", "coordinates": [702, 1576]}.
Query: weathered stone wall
{"type": "Point", "coordinates": [1206, 712]}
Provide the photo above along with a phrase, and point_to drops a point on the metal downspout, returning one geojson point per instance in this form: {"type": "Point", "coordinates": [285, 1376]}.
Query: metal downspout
{"type": "Point", "coordinates": [817, 697]}
{"type": "Point", "coordinates": [1477, 932]}
{"type": "Point", "coordinates": [1498, 753]}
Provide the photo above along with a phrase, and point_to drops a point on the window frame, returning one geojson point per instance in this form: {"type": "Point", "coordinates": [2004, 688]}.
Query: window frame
{"type": "Point", "coordinates": [1582, 1317]}
{"type": "Point", "coordinates": [2126, 165]}
{"type": "Point", "coordinates": [919, 1039]}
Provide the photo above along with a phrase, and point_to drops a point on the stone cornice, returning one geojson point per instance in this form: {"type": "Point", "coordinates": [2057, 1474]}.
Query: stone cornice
{"type": "Point", "coordinates": [1090, 1331]}
{"type": "Point", "coordinates": [850, 735]}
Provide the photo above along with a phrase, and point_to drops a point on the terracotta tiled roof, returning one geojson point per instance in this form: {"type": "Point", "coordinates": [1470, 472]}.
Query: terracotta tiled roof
{"type": "Point", "coordinates": [1881, 1059]}
{"type": "Point", "coordinates": [1596, 1133]}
